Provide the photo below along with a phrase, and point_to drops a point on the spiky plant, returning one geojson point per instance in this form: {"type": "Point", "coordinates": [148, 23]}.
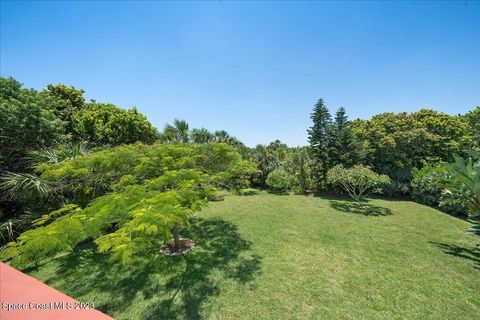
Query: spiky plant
{"type": "Point", "coordinates": [24, 186]}
{"type": "Point", "coordinates": [59, 154]}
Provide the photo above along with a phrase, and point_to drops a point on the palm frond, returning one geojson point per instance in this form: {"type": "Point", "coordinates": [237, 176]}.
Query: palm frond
{"type": "Point", "coordinates": [23, 186]}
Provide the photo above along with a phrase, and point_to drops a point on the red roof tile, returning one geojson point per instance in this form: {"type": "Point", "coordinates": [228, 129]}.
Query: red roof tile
{"type": "Point", "coordinates": [28, 299]}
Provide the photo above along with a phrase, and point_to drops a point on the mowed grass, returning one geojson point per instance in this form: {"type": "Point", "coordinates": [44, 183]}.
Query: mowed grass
{"type": "Point", "coordinates": [291, 257]}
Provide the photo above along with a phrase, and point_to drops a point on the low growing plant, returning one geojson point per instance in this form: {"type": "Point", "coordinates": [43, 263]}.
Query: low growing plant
{"type": "Point", "coordinates": [467, 172]}
{"type": "Point", "coordinates": [431, 185]}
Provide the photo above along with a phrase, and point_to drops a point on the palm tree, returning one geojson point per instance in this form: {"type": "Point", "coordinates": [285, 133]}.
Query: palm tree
{"type": "Point", "coordinates": [59, 154]}
{"type": "Point", "coordinates": [201, 135]}
{"type": "Point", "coordinates": [183, 134]}
{"type": "Point", "coordinates": [266, 160]}
{"type": "Point", "coordinates": [221, 136]}
{"type": "Point", "coordinates": [178, 132]}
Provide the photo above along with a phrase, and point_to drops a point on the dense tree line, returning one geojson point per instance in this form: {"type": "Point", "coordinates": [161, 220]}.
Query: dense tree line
{"type": "Point", "coordinates": [394, 144]}
{"type": "Point", "coordinates": [57, 124]}
{"type": "Point", "coordinates": [32, 120]}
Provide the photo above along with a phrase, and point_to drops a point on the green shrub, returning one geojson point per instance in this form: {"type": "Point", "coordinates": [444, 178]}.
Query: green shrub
{"type": "Point", "coordinates": [279, 181]}
{"type": "Point", "coordinates": [466, 182]}
{"type": "Point", "coordinates": [429, 186]}
{"type": "Point", "coordinates": [358, 181]}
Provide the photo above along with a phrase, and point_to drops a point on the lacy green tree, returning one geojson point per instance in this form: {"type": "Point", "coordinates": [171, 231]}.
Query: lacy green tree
{"type": "Point", "coordinates": [130, 198]}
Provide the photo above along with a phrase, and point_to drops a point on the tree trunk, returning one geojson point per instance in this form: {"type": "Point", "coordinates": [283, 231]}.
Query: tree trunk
{"type": "Point", "coordinates": [176, 238]}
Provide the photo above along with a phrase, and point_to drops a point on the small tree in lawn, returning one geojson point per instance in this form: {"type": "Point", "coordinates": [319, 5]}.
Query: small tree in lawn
{"type": "Point", "coordinates": [358, 181]}
{"type": "Point", "coordinates": [144, 199]}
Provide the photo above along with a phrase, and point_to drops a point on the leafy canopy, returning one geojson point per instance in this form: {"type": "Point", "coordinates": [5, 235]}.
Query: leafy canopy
{"type": "Point", "coordinates": [395, 143]}
{"type": "Point", "coordinates": [357, 181]}
{"type": "Point", "coordinates": [136, 196]}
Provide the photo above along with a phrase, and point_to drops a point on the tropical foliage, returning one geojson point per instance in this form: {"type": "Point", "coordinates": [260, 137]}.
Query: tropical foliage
{"type": "Point", "coordinates": [467, 172]}
{"type": "Point", "coordinates": [106, 124]}
{"type": "Point", "coordinates": [358, 181]}
{"type": "Point", "coordinates": [395, 143]}
{"type": "Point", "coordinates": [279, 181]}
{"type": "Point", "coordinates": [128, 198]}
{"type": "Point", "coordinates": [430, 186]}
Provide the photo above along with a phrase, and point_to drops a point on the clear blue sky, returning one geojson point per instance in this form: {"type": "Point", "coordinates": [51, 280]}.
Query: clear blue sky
{"type": "Point", "coordinates": [252, 68]}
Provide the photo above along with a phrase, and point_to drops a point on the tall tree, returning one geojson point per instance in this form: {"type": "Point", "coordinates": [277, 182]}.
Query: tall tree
{"type": "Point", "coordinates": [27, 122]}
{"type": "Point", "coordinates": [344, 148]}
{"type": "Point", "coordinates": [107, 124]}
{"type": "Point", "coordinates": [318, 137]}
{"type": "Point", "coordinates": [473, 119]}
{"type": "Point", "coordinates": [68, 102]}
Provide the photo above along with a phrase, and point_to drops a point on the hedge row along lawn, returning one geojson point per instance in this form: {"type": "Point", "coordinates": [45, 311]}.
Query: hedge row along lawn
{"type": "Point", "coordinates": [265, 256]}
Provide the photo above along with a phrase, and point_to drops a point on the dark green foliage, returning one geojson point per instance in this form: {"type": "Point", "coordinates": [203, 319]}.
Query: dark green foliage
{"type": "Point", "coordinates": [68, 102]}
{"type": "Point", "coordinates": [430, 185]}
{"type": "Point", "coordinates": [106, 124]}
{"type": "Point", "coordinates": [32, 120]}
{"type": "Point", "coordinates": [473, 119]}
{"type": "Point", "coordinates": [318, 137]}
{"type": "Point", "coordinates": [27, 122]}
{"type": "Point", "coordinates": [343, 147]}
{"type": "Point", "coordinates": [267, 160]}
{"type": "Point", "coordinates": [201, 135]}
{"type": "Point", "coordinates": [279, 181]}
{"type": "Point", "coordinates": [178, 132]}
{"type": "Point", "coordinates": [466, 184]}
{"type": "Point", "coordinates": [397, 143]}
{"type": "Point", "coordinates": [298, 165]}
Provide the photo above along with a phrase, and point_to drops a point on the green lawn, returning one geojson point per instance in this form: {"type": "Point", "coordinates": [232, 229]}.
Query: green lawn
{"type": "Point", "coordinates": [291, 257]}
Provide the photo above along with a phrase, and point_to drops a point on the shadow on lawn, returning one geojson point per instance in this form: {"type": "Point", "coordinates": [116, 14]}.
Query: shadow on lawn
{"type": "Point", "coordinates": [172, 287]}
{"type": "Point", "coordinates": [472, 254]}
{"type": "Point", "coordinates": [366, 209]}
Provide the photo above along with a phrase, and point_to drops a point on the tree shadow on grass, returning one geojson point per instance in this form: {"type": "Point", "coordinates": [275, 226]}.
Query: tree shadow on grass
{"type": "Point", "coordinates": [249, 192]}
{"type": "Point", "coordinates": [365, 209]}
{"type": "Point", "coordinates": [472, 254]}
{"type": "Point", "coordinates": [169, 287]}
